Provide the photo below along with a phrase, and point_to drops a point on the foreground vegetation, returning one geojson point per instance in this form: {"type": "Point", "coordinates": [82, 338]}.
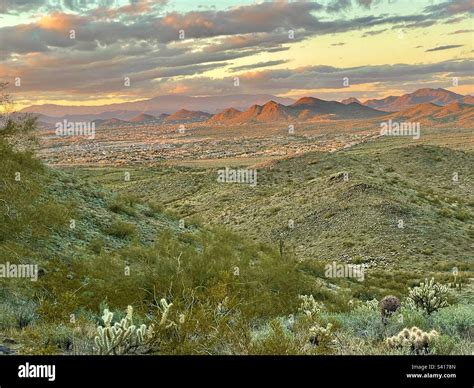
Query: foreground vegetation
{"type": "Point", "coordinates": [198, 288]}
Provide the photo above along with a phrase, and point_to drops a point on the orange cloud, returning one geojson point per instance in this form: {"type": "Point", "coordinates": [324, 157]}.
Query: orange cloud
{"type": "Point", "coordinates": [58, 21]}
{"type": "Point", "coordinates": [190, 20]}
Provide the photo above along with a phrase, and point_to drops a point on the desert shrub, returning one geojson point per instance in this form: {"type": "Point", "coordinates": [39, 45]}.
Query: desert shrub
{"type": "Point", "coordinates": [17, 311]}
{"type": "Point", "coordinates": [59, 308]}
{"type": "Point", "coordinates": [455, 320]}
{"type": "Point", "coordinates": [96, 245]}
{"type": "Point", "coordinates": [123, 204]}
{"type": "Point", "coordinates": [25, 313]}
{"type": "Point", "coordinates": [275, 339]}
{"type": "Point", "coordinates": [153, 209]}
{"type": "Point", "coordinates": [156, 207]}
{"type": "Point", "coordinates": [462, 215]}
{"type": "Point", "coordinates": [7, 316]}
{"type": "Point", "coordinates": [444, 344]}
{"type": "Point", "coordinates": [408, 317]}
{"type": "Point", "coordinates": [429, 296]}
{"type": "Point", "coordinates": [444, 212]}
{"type": "Point", "coordinates": [121, 229]}
{"type": "Point", "coordinates": [46, 339]}
{"type": "Point", "coordinates": [362, 323]}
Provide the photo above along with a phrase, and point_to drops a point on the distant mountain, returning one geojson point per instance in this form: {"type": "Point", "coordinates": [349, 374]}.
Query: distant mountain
{"type": "Point", "coordinates": [467, 100]}
{"type": "Point", "coordinates": [456, 112]}
{"type": "Point", "coordinates": [436, 96]}
{"type": "Point", "coordinates": [315, 107]}
{"type": "Point", "coordinates": [306, 108]}
{"type": "Point", "coordinates": [187, 116]}
{"type": "Point", "coordinates": [350, 100]}
{"type": "Point", "coordinates": [113, 122]}
{"type": "Point", "coordinates": [161, 104]}
{"type": "Point", "coordinates": [226, 115]}
{"type": "Point", "coordinates": [121, 115]}
{"type": "Point", "coordinates": [143, 118]}
{"type": "Point", "coordinates": [163, 116]}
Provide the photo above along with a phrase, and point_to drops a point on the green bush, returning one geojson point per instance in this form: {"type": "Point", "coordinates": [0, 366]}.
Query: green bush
{"type": "Point", "coordinates": [455, 320]}
{"type": "Point", "coordinates": [7, 317]}
{"type": "Point", "coordinates": [362, 324]}
{"type": "Point", "coordinates": [121, 229]}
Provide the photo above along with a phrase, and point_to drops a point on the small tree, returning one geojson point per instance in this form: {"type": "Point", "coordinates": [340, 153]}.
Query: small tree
{"type": "Point", "coordinates": [10, 122]}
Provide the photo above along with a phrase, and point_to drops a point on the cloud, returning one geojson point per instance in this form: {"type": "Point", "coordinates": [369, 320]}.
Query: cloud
{"type": "Point", "coordinates": [265, 24]}
{"type": "Point", "coordinates": [15, 6]}
{"type": "Point", "coordinates": [105, 8]}
{"type": "Point", "coordinates": [366, 3]}
{"type": "Point", "coordinates": [338, 5]}
{"type": "Point", "coordinates": [447, 47]}
{"type": "Point", "coordinates": [372, 33]}
{"type": "Point", "coordinates": [259, 65]}
{"type": "Point", "coordinates": [153, 82]}
{"type": "Point", "coordinates": [141, 40]}
{"type": "Point", "coordinates": [451, 7]}
{"type": "Point", "coordinates": [460, 32]}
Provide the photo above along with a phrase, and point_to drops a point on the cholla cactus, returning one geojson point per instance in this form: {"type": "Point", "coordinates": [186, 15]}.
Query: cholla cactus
{"type": "Point", "coordinates": [321, 336]}
{"type": "Point", "coordinates": [416, 339]}
{"type": "Point", "coordinates": [368, 306]}
{"type": "Point", "coordinates": [123, 337]}
{"type": "Point", "coordinates": [429, 296]}
{"type": "Point", "coordinates": [164, 317]}
{"type": "Point", "coordinates": [309, 306]}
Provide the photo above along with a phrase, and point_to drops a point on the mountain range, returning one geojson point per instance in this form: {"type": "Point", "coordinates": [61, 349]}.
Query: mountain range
{"type": "Point", "coordinates": [421, 105]}
{"type": "Point", "coordinates": [438, 96]}
{"type": "Point", "coordinates": [427, 113]}
{"type": "Point", "coordinates": [161, 104]}
{"type": "Point", "coordinates": [306, 108]}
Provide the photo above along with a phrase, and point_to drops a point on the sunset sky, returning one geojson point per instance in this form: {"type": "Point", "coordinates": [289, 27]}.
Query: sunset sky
{"type": "Point", "coordinates": [286, 48]}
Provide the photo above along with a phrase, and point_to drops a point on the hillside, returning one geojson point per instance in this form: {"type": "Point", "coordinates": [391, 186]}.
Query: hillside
{"type": "Point", "coordinates": [438, 96]}
{"type": "Point", "coordinates": [457, 113]}
{"type": "Point", "coordinates": [333, 218]}
{"type": "Point", "coordinates": [143, 118]}
{"type": "Point", "coordinates": [110, 122]}
{"type": "Point", "coordinates": [187, 116]}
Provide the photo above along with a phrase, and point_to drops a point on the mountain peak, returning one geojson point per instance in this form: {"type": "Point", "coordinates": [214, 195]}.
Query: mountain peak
{"type": "Point", "coordinates": [142, 117]}
{"type": "Point", "coordinates": [307, 101]}
{"type": "Point", "coordinates": [437, 96]}
{"type": "Point", "coordinates": [350, 100]}
{"type": "Point", "coordinates": [185, 115]}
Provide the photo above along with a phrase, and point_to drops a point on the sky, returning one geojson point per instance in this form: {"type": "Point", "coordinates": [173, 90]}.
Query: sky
{"type": "Point", "coordinates": [93, 52]}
